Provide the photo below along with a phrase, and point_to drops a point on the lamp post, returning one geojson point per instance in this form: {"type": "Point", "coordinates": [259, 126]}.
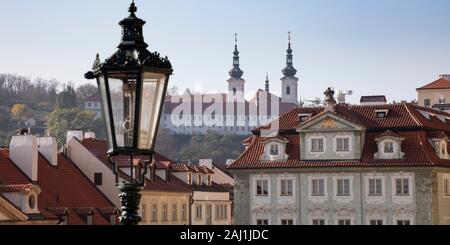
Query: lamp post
{"type": "Point", "coordinates": [132, 84]}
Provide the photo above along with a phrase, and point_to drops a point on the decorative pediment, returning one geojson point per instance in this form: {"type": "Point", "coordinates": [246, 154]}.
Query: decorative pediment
{"type": "Point", "coordinates": [330, 120]}
{"type": "Point", "coordinates": [261, 210]}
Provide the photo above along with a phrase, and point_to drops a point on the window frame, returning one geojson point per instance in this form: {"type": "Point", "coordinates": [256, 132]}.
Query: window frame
{"type": "Point", "coordinates": [266, 186]}
{"type": "Point", "coordinates": [288, 182]}
{"type": "Point", "coordinates": [345, 189]}
{"type": "Point", "coordinates": [320, 193]}
{"type": "Point", "coordinates": [375, 185]}
{"type": "Point", "coordinates": [402, 187]}
{"type": "Point", "coordinates": [343, 138]}
{"type": "Point", "coordinates": [318, 150]}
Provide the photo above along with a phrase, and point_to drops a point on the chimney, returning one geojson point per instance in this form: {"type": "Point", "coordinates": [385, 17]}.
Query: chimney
{"type": "Point", "coordinates": [89, 135]}
{"type": "Point", "coordinates": [48, 147]}
{"type": "Point", "coordinates": [445, 76]}
{"type": "Point", "coordinates": [74, 134]}
{"type": "Point", "coordinates": [23, 151]}
{"type": "Point", "coordinates": [206, 162]}
{"type": "Point", "coordinates": [229, 162]}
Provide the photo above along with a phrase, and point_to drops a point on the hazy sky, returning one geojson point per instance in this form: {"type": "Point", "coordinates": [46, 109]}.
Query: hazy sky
{"type": "Point", "coordinates": [370, 46]}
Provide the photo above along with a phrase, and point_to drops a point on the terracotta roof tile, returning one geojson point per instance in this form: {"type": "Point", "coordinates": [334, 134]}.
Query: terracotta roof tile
{"type": "Point", "coordinates": [441, 83]}
{"type": "Point", "coordinates": [388, 133]}
{"type": "Point", "coordinates": [98, 148]}
{"type": "Point", "coordinates": [404, 118]}
{"type": "Point", "coordinates": [62, 186]}
{"type": "Point", "coordinates": [15, 188]}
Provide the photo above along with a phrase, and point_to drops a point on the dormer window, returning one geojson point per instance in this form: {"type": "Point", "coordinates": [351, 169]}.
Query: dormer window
{"type": "Point", "coordinates": [343, 144]}
{"type": "Point", "coordinates": [304, 117]}
{"type": "Point", "coordinates": [389, 146]}
{"type": "Point", "coordinates": [440, 146]}
{"type": "Point", "coordinates": [275, 150]}
{"type": "Point", "coordinates": [382, 113]}
{"type": "Point", "coordinates": [32, 201]}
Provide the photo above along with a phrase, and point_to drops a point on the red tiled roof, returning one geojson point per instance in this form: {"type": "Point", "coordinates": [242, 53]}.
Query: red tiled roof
{"type": "Point", "coordinates": [400, 116]}
{"type": "Point", "coordinates": [388, 133]}
{"type": "Point", "coordinates": [95, 97]}
{"type": "Point", "coordinates": [441, 83]}
{"type": "Point", "coordinates": [84, 211]}
{"type": "Point", "coordinates": [61, 211]}
{"type": "Point", "coordinates": [186, 167]}
{"type": "Point", "coordinates": [406, 119]}
{"type": "Point", "coordinates": [15, 188]}
{"type": "Point", "coordinates": [108, 211]}
{"type": "Point", "coordinates": [98, 149]}
{"type": "Point", "coordinates": [373, 98]}
{"type": "Point", "coordinates": [61, 186]}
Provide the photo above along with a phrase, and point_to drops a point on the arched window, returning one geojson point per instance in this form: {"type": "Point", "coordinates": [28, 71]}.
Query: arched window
{"type": "Point", "coordinates": [234, 91]}
{"type": "Point", "coordinates": [288, 90]}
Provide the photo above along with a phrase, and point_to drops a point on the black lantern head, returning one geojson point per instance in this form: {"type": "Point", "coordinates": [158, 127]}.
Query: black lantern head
{"type": "Point", "coordinates": [132, 84]}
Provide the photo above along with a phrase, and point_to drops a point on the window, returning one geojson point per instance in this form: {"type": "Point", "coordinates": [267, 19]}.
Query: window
{"type": "Point", "coordinates": [342, 144]}
{"type": "Point", "coordinates": [198, 212]}
{"type": "Point", "coordinates": [304, 118]}
{"type": "Point", "coordinates": [199, 179]}
{"type": "Point", "coordinates": [32, 201]}
{"type": "Point", "coordinates": [262, 222]}
{"type": "Point", "coordinates": [183, 212]}
{"type": "Point", "coordinates": [381, 114]}
{"type": "Point", "coordinates": [209, 179]}
{"type": "Point", "coordinates": [164, 212]}
{"type": "Point", "coordinates": [144, 212]}
{"type": "Point", "coordinates": [221, 212]}
{"type": "Point", "coordinates": [274, 150]}
{"type": "Point", "coordinates": [402, 187]}
{"type": "Point", "coordinates": [287, 222]}
{"type": "Point", "coordinates": [446, 187]}
{"type": "Point", "coordinates": [155, 212]}
{"type": "Point", "coordinates": [344, 222]}
{"type": "Point", "coordinates": [189, 178]}
{"type": "Point", "coordinates": [174, 212]}
{"type": "Point", "coordinates": [316, 145]}
{"type": "Point", "coordinates": [403, 222]}
{"type": "Point", "coordinates": [443, 149]}
{"type": "Point", "coordinates": [98, 179]}
{"type": "Point", "coordinates": [318, 187]}
{"type": "Point", "coordinates": [343, 187]}
{"type": "Point", "coordinates": [288, 90]}
{"type": "Point", "coordinates": [427, 102]}
{"type": "Point", "coordinates": [234, 91]}
{"type": "Point", "coordinates": [389, 147]}
{"type": "Point", "coordinates": [262, 187]}
{"type": "Point", "coordinates": [318, 222]}
{"type": "Point", "coordinates": [89, 219]}
{"type": "Point", "coordinates": [112, 219]}
{"type": "Point", "coordinates": [286, 187]}
{"type": "Point", "coordinates": [376, 222]}
{"type": "Point", "coordinates": [375, 187]}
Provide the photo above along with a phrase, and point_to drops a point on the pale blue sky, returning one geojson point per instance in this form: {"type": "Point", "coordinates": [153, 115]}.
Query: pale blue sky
{"type": "Point", "coordinates": [371, 46]}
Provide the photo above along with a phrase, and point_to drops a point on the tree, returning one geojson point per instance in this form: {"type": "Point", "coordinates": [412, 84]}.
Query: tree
{"type": "Point", "coordinates": [20, 111]}
{"type": "Point", "coordinates": [85, 91]}
{"type": "Point", "coordinates": [62, 120]}
{"type": "Point", "coordinates": [67, 99]}
{"type": "Point", "coordinates": [5, 116]}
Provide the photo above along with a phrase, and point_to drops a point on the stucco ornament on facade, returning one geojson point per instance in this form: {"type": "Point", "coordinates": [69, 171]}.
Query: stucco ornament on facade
{"type": "Point", "coordinates": [328, 123]}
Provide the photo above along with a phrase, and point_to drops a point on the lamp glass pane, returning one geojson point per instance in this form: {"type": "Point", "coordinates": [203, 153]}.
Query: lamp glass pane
{"type": "Point", "coordinates": [105, 107]}
{"type": "Point", "coordinates": [153, 85]}
{"type": "Point", "coordinates": [123, 99]}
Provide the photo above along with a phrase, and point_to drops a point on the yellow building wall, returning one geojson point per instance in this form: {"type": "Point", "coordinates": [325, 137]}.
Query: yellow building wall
{"type": "Point", "coordinates": [149, 199]}
{"type": "Point", "coordinates": [433, 95]}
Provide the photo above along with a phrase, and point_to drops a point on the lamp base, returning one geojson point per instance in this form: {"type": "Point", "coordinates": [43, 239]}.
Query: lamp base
{"type": "Point", "coordinates": [130, 198]}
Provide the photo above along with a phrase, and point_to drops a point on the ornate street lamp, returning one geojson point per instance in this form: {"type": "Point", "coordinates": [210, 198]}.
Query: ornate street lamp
{"type": "Point", "coordinates": [132, 84]}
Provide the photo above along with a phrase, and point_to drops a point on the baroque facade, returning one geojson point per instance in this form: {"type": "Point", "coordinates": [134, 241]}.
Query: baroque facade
{"type": "Point", "coordinates": [346, 165]}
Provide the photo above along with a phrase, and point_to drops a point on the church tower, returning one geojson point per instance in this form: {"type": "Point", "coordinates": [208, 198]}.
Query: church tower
{"type": "Point", "coordinates": [236, 83]}
{"type": "Point", "coordinates": [289, 82]}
